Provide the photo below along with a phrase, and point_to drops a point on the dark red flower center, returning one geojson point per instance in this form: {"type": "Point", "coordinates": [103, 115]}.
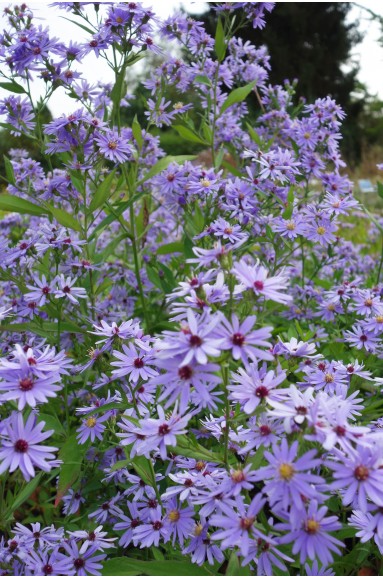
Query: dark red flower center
{"type": "Point", "coordinates": [185, 372]}
{"type": "Point", "coordinates": [45, 290]}
{"type": "Point", "coordinates": [301, 410]}
{"type": "Point", "coordinates": [264, 430]}
{"type": "Point", "coordinates": [361, 473]}
{"type": "Point", "coordinates": [47, 569]}
{"type": "Point", "coordinates": [157, 525]}
{"type": "Point", "coordinates": [258, 285]}
{"type": "Point", "coordinates": [238, 339]}
{"type": "Point", "coordinates": [66, 289]}
{"type": "Point", "coordinates": [261, 391]}
{"type": "Point", "coordinates": [21, 446]}
{"type": "Point", "coordinates": [79, 563]}
{"type": "Point", "coordinates": [163, 429]}
{"type": "Point", "coordinates": [340, 430]}
{"type": "Point", "coordinates": [26, 384]}
{"type": "Point", "coordinates": [138, 363]}
{"type": "Point", "coordinates": [195, 341]}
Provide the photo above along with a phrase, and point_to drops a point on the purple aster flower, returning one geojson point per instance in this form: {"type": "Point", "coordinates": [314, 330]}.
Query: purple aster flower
{"type": "Point", "coordinates": [134, 364]}
{"type": "Point", "coordinates": [201, 547]}
{"type": "Point", "coordinates": [21, 449]}
{"type": "Point", "coordinates": [179, 521]}
{"type": "Point", "coordinates": [243, 342]}
{"type": "Point", "coordinates": [92, 427]}
{"type": "Point", "coordinates": [238, 523]}
{"type": "Point", "coordinates": [128, 524]}
{"type": "Point", "coordinates": [84, 563]}
{"type": "Point", "coordinates": [358, 476]}
{"type": "Point", "coordinates": [107, 510]}
{"type": "Point", "coordinates": [72, 502]}
{"type": "Point", "coordinates": [162, 432]}
{"type": "Point", "coordinates": [292, 406]}
{"type": "Point", "coordinates": [256, 278]}
{"type": "Point", "coordinates": [113, 147]}
{"type": "Point", "coordinates": [361, 338]}
{"type": "Point", "coordinates": [47, 563]}
{"type": "Point", "coordinates": [295, 348]}
{"type": "Point", "coordinates": [66, 289]}
{"type": "Point", "coordinates": [287, 481]}
{"type": "Point", "coordinates": [309, 534]}
{"type": "Point", "coordinates": [150, 534]}
{"type": "Point", "coordinates": [321, 231]}
{"type": "Point", "coordinates": [93, 538]}
{"type": "Point", "coordinates": [316, 570]}
{"type": "Point", "coordinates": [196, 340]}
{"type": "Point", "coordinates": [39, 293]}
{"type": "Point", "coordinates": [48, 536]}
{"type": "Point", "coordinates": [252, 386]}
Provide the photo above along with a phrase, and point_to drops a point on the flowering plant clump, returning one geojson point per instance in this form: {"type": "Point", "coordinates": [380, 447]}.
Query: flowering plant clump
{"type": "Point", "coordinates": [191, 352]}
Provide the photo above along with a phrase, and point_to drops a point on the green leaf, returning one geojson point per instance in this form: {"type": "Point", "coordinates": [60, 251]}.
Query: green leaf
{"type": "Point", "coordinates": [9, 170]}
{"type": "Point", "coordinates": [202, 79]}
{"type": "Point", "coordinates": [23, 495]}
{"type": "Point", "coordinates": [237, 95]}
{"type": "Point", "coordinates": [18, 205]}
{"type": "Point", "coordinates": [380, 189]}
{"type": "Point", "coordinates": [189, 134]}
{"type": "Point", "coordinates": [64, 218]}
{"type": "Point", "coordinates": [51, 422]}
{"type": "Point", "coordinates": [189, 449]}
{"type": "Point", "coordinates": [254, 135]}
{"type": "Point", "coordinates": [220, 43]}
{"type": "Point", "coordinates": [143, 468]}
{"type": "Point", "coordinates": [12, 87]}
{"type": "Point", "coordinates": [175, 247]}
{"type": "Point", "coordinates": [137, 132]}
{"type": "Point", "coordinates": [102, 193]}
{"type": "Point", "coordinates": [125, 566]}
{"type": "Point", "coordinates": [163, 164]}
{"type": "Point", "coordinates": [72, 455]}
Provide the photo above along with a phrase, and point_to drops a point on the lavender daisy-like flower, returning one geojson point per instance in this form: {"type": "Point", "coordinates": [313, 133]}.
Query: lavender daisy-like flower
{"type": "Point", "coordinates": [40, 292]}
{"type": "Point", "coordinates": [243, 342]}
{"type": "Point", "coordinates": [47, 563]}
{"type": "Point", "coordinates": [238, 523]}
{"type": "Point", "coordinates": [256, 277]}
{"type": "Point", "coordinates": [92, 427]}
{"type": "Point", "coordinates": [149, 534]}
{"type": "Point", "coordinates": [196, 341]}
{"type": "Point", "coordinates": [287, 479]}
{"type": "Point", "coordinates": [83, 563]}
{"type": "Point", "coordinates": [358, 476]}
{"type": "Point", "coordinates": [162, 432]}
{"type": "Point", "coordinates": [21, 449]}
{"type": "Point", "coordinates": [113, 147]}
{"type": "Point", "coordinates": [66, 289]}
{"type": "Point", "coordinates": [133, 363]}
{"type": "Point", "coordinates": [309, 534]}
{"type": "Point", "coordinates": [253, 385]}
{"type": "Point", "coordinates": [95, 538]}
{"type": "Point", "coordinates": [179, 521]}
{"type": "Point", "coordinates": [201, 548]}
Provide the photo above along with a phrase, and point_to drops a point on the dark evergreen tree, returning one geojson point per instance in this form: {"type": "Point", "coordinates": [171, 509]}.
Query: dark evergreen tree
{"type": "Point", "coordinates": [313, 41]}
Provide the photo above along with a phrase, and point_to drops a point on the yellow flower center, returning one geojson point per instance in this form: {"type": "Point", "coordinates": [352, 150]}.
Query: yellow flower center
{"type": "Point", "coordinates": [246, 523]}
{"type": "Point", "coordinates": [321, 230]}
{"type": "Point", "coordinates": [286, 471]}
{"type": "Point", "coordinates": [331, 307]}
{"type": "Point", "coordinates": [205, 182]}
{"type": "Point", "coordinates": [198, 529]}
{"type": "Point", "coordinates": [290, 226]}
{"type": "Point", "coordinates": [91, 422]}
{"type": "Point", "coordinates": [174, 515]}
{"type": "Point", "coordinates": [112, 144]}
{"type": "Point", "coordinates": [379, 318]}
{"type": "Point", "coordinates": [329, 378]}
{"type": "Point", "coordinates": [178, 105]}
{"type": "Point", "coordinates": [368, 302]}
{"type": "Point", "coordinates": [237, 476]}
{"type": "Point", "coordinates": [307, 135]}
{"type": "Point", "coordinates": [312, 526]}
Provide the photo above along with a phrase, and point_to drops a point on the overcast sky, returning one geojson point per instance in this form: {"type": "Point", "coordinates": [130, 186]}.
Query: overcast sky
{"type": "Point", "coordinates": [369, 53]}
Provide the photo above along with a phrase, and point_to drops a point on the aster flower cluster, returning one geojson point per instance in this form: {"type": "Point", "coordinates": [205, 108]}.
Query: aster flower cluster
{"type": "Point", "coordinates": [197, 339]}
